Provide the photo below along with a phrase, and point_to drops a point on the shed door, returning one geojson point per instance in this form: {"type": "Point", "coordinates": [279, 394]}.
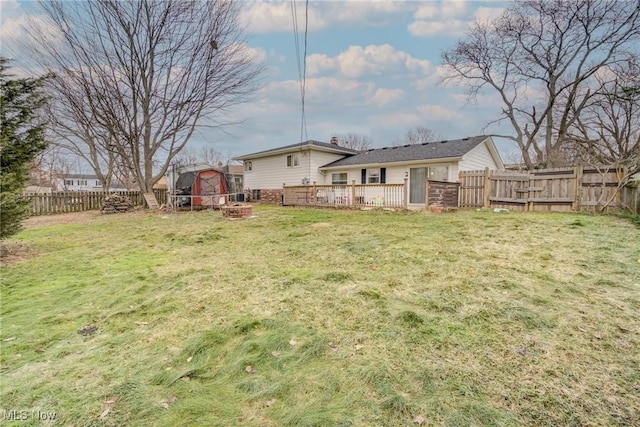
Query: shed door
{"type": "Point", "coordinates": [209, 186]}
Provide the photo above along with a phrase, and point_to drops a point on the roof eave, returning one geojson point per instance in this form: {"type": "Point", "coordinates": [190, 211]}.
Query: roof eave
{"type": "Point", "coordinates": [402, 162]}
{"type": "Point", "coordinates": [293, 150]}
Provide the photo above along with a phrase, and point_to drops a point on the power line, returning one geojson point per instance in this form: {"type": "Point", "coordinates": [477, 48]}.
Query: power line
{"type": "Point", "coordinates": [302, 69]}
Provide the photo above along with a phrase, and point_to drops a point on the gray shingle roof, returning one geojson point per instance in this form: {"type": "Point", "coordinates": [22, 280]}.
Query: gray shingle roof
{"type": "Point", "coordinates": [333, 147]}
{"type": "Point", "coordinates": [425, 151]}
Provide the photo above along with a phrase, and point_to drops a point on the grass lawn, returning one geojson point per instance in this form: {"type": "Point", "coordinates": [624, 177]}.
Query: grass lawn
{"type": "Point", "coordinates": [324, 318]}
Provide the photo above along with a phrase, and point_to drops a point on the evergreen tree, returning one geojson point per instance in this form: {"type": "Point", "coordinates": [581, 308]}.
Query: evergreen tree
{"type": "Point", "coordinates": [21, 139]}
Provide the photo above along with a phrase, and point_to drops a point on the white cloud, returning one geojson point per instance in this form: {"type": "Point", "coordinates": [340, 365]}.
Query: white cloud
{"type": "Point", "coordinates": [453, 7]}
{"type": "Point", "coordinates": [452, 27]}
{"type": "Point", "coordinates": [488, 13]}
{"type": "Point", "coordinates": [267, 17]}
{"type": "Point", "coordinates": [397, 119]}
{"type": "Point", "coordinates": [325, 92]}
{"type": "Point", "coordinates": [384, 97]}
{"type": "Point", "coordinates": [437, 112]}
{"type": "Point", "coordinates": [372, 60]}
{"type": "Point", "coordinates": [277, 56]}
{"type": "Point", "coordinates": [20, 24]}
{"type": "Point", "coordinates": [367, 13]}
{"type": "Point", "coordinates": [258, 54]}
{"type": "Point", "coordinates": [427, 11]}
{"type": "Point", "coordinates": [448, 18]}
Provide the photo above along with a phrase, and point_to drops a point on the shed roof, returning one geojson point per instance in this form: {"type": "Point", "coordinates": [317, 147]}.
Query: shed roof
{"type": "Point", "coordinates": [426, 151]}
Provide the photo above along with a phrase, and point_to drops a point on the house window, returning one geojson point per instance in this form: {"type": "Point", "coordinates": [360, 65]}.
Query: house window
{"type": "Point", "coordinates": [439, 173]}
{"type": "Point", "coordinates": [293, 160]}
{"type": "Point", "coordinates": [373, 176]}
{"type": "Point", "coordinates": [255, 194]}
{"type": "Point", "coordinates": [248, 166]}
{"type": "Point", "coordinates": [68, 182]}
{"type": "Point", "coordinates": [339, 178]}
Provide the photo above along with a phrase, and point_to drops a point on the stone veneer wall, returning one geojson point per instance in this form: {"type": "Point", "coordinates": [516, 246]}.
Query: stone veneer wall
{"type": "Point", "coordinates": [240, 211]}
{"type": "Point", "coordinates": [271, 196]}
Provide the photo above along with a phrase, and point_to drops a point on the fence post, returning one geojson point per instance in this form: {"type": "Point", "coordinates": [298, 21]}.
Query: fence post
{"type": "Point", "coordinates": [405, 193]}
{"type": "Point", "coordinates": [426, 194]}
{"type": "Point", "coordinates": [577, 188]}
{"type": "Point", "coordinates": [313, 193]}
{"type": "Point", "coordinates": [485, 190]}
{"type": "Point", "coordinates": [353, 192]}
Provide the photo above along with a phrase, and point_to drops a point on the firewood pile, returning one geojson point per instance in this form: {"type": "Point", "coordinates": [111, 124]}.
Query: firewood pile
{"type": "Point", "coordinates": [115, 203]}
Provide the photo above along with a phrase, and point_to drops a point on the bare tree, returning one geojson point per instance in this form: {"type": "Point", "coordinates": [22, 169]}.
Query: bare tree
{"type": "Point", "coordinates": [606, 136]}
{"type": "Point", "coordinates": [417, 135]}
{"type": "Point", "coordinates": [355, 141]}
{"type": "Point", "coordinates": [74, 128]}
{"type": "Point", "coordinates": [540, 58]}
{"type": "Point", "coordinates": [51, 166]}
{"type": "Point", "coordinates": [148, 73]}
{"type": "Point", "coordinates": [608, 131]}
{"type": "Point", "coordinates": [205, 154]}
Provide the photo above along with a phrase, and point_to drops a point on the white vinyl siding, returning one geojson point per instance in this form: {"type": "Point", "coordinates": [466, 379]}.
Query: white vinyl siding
{"type": "Point", "coordinates": [394, 174]}
{"type": "Point", "coordinates": [476, 159]}
{"type": "Point", "coordinates": [271, 172]}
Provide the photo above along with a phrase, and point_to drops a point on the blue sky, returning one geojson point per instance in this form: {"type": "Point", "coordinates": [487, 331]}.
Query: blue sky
{"type": "Point", "coordinates": [373, 68]}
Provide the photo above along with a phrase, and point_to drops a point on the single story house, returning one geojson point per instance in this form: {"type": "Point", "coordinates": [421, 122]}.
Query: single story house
{"type": "Point", "coordinates": [266, 172]}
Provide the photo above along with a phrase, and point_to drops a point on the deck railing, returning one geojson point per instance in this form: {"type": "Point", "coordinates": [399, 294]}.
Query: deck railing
{"type": "Point", "coordinates": [347, 195]}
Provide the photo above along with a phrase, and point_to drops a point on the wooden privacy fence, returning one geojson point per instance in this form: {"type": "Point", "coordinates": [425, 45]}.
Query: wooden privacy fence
{"type": "Point", "coordinates": [561, 189]}
{"type": "Point", "coordinates": [79, 201]}
{"type": "Point", "coordinates": [442, 193]}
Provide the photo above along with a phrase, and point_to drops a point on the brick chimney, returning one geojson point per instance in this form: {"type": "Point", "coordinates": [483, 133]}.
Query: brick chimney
{"type": "Point", "coordinates": [334, 140]}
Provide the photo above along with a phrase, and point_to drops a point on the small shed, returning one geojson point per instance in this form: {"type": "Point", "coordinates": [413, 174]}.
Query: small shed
{"type": "Point", "coordinates": [201, 188]}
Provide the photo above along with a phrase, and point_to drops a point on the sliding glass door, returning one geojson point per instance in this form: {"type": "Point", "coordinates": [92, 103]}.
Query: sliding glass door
{"type": "Point", "coordinates": [417, 185]}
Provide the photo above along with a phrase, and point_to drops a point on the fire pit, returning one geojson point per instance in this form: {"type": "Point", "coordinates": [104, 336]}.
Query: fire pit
{"type": "Point", "coordinates": [236, 211]}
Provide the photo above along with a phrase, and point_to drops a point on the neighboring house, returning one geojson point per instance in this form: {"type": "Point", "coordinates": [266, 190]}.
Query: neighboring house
{"type": "Point", "coordinates": [235, 178]}
{"type": "Point", "coordinates": [82, 182]}
{"type": "Point", "coordinates": [265, 172]}
{"type": "Point", "coordinates": [269, 170]}
{"type": "Point", "coordinates": [78, 182]}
